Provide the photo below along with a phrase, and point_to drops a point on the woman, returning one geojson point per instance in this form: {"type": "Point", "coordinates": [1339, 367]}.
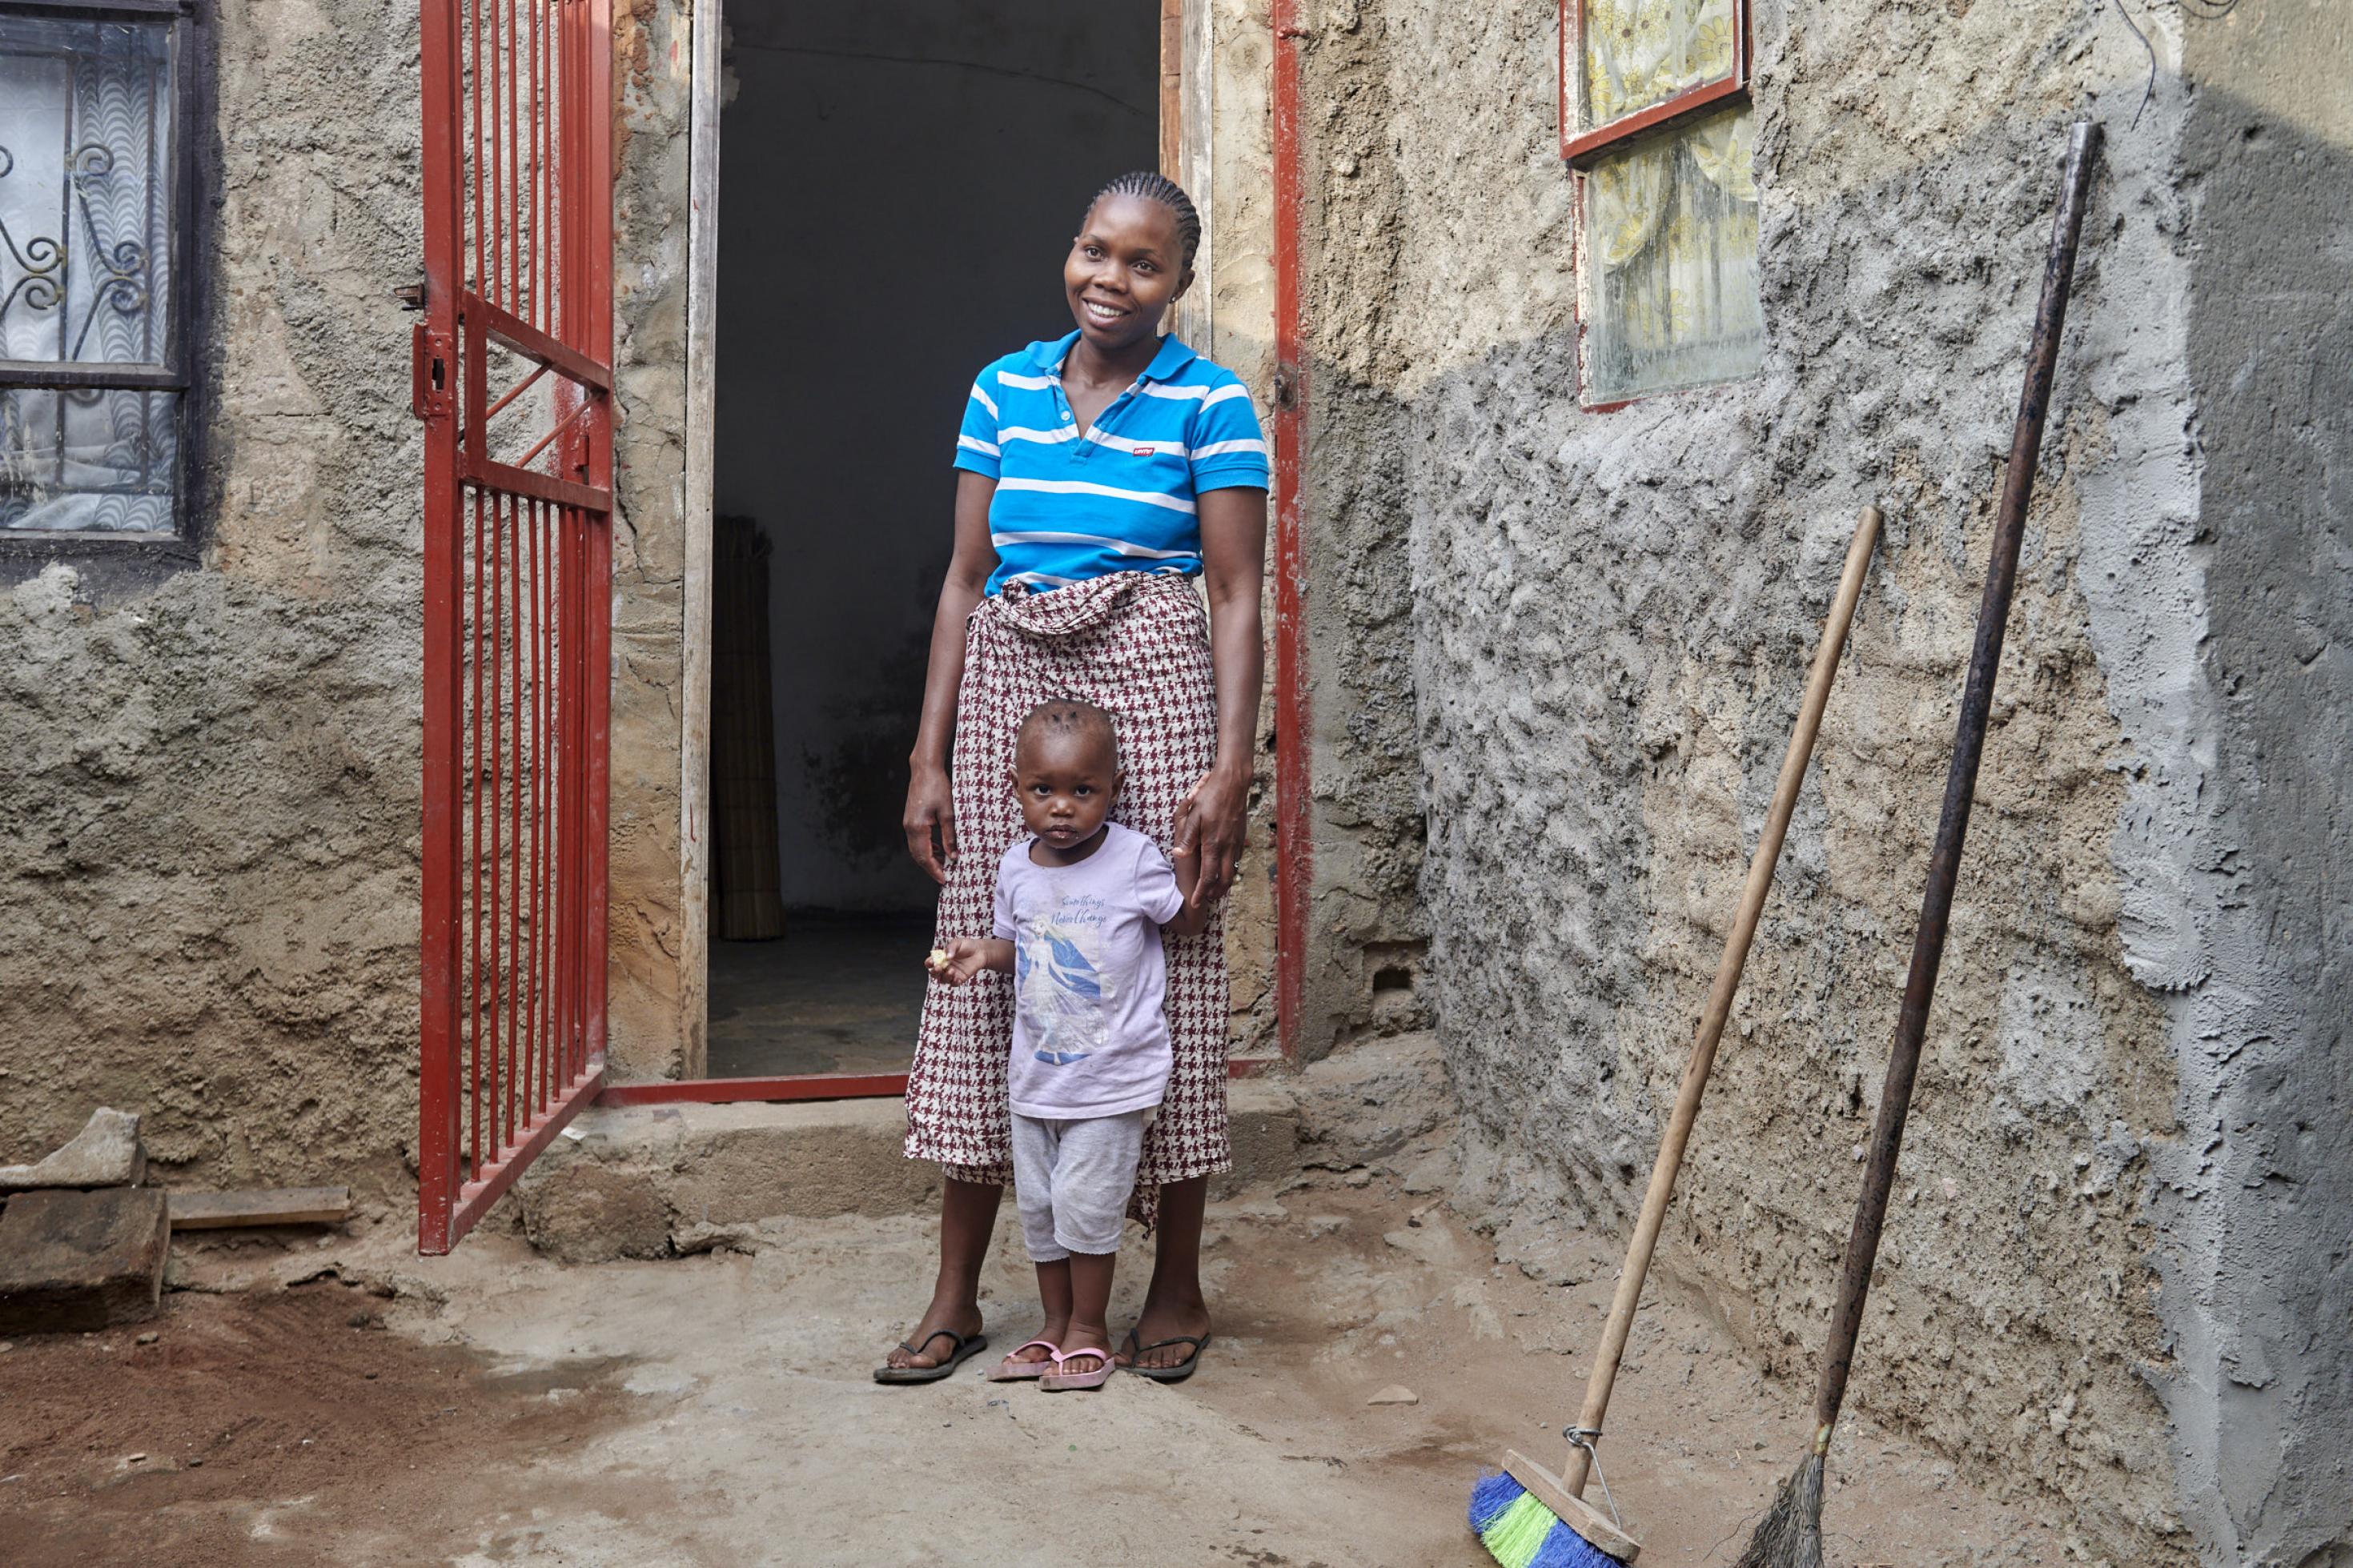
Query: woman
{"type": "Point", "coordinates": [1099, 475]}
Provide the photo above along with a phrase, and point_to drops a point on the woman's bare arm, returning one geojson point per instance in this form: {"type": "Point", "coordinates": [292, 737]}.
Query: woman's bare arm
{"type": "Point", "coordinates": [1214, 817]}
{"type": "Point", "coordinates": [929, 817]}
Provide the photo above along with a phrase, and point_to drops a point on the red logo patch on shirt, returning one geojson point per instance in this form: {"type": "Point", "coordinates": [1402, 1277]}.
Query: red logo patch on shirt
{"type": "Point", "coordinates": [1143, 452]}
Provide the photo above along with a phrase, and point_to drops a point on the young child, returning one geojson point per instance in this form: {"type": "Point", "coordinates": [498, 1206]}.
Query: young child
{"type": "Point", "coordinates": [1080, 907]}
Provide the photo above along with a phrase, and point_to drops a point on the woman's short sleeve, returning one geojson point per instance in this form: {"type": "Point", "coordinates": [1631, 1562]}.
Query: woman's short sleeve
{"type": "Point", "coordinates": [976, 438]}
{"type": "Point", "coordinates": [1228, 448]}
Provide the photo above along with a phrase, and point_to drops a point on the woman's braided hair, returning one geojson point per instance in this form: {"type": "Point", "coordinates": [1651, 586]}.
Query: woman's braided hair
{"type": "Point", "coordinates": [1158, 187]}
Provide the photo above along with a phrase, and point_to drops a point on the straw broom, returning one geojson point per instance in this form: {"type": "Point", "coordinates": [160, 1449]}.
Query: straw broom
{"type": "Point", "coordinates": [1525, 1515]}
{"type": "Point", "coordinates": [1790, 1535]}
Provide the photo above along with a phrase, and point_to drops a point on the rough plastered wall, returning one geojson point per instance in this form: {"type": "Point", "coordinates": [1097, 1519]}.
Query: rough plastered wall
{"type": "Point", "coordinates": [208, 776]}
{"type": "Point", "coordinates": [2125, 1123]}
{"type": "Point", "coordinates": [208, 786]}
{"type": "Point", "coordinates": [2251, 810]}
{"type": "Point", "coordinates": [1363, 966]}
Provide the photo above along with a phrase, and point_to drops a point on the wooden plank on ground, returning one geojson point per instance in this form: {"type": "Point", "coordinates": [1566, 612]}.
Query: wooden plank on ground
{"type": "Point", "coordinates": [263, 1205]}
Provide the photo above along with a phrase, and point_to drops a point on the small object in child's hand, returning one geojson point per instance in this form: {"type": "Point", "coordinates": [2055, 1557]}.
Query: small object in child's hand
{"type": "Point", "coordinates": [938, 958]}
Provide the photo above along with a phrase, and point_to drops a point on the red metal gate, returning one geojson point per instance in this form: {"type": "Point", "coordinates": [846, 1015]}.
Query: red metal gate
{"type": "Point", "coordinates": [513, 380]}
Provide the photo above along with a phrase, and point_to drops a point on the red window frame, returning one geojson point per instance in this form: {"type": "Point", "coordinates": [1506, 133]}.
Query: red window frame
{"type": "Point", "coordinates": [1581, 145]}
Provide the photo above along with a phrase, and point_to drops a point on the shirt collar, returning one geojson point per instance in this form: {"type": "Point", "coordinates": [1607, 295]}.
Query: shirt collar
{"type": "Point", "coordinates": [1172, 357]}
{"type": "Point", "coordinates": [1048, 357]}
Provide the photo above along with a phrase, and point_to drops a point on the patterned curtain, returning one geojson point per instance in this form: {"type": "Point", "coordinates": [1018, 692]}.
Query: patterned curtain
{"type": "Point", "coordinates": [1641, 52]}
{"type": "Point", "coordinates": [1672, 243]}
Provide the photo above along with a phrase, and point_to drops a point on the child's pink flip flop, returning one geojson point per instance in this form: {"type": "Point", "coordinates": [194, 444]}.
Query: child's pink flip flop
{"type": "Point", "coordinates": [1057, 1380]}
{"type": "Point", "coordinates": [1009, 1370]}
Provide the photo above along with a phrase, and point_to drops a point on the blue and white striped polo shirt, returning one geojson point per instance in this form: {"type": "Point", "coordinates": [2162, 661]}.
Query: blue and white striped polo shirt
{"type": "Point", "coordinates": [1070, 506]}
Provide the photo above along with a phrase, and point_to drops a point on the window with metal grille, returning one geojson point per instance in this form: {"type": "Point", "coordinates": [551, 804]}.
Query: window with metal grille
{"type": "Point", "coordinates": [1655, 119]}
{"type": "Point", "coordinates": [95, 213]}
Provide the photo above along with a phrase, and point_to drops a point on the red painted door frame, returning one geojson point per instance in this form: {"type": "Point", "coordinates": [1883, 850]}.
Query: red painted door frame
{"type": "Point", "coordinates": [1294, 842]}
{"type": "Point", "coordinates": [1294, 852]}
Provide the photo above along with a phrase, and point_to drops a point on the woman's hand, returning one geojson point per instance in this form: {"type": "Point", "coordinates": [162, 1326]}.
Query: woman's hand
{"type": "Point", "coordinates": [1213, 822]}
{"type": "Point", "coordinates": [930, 821]}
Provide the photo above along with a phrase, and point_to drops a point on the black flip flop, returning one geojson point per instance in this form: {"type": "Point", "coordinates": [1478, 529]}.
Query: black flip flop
{"type": "Point", "coordinates": [964, 1350]}
{"type": "Point", "coordinates": [1178, 1373]}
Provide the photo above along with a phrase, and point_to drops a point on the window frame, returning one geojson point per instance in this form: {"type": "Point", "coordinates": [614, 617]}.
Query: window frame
{"type": "Point", "coordinates": [1581, 148]}
{"type": "Point", "coordinates": [113, 556]}
{"type": "Point", "coordinates": [1580, 145]}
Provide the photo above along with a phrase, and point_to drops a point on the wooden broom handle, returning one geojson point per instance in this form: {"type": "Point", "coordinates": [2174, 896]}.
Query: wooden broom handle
{"type": "Point", "coordinates": [1719, 998]}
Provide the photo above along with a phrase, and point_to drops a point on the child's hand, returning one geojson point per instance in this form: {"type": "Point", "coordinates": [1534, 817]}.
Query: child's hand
{"type": "Point", "coordinates": [1185, 859]}
{"type": "Point", "coordinates": [958, 961]}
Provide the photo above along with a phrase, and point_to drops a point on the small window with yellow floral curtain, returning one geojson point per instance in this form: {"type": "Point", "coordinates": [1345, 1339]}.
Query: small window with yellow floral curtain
{"type": "Point", "coordinates": [1655, 118]}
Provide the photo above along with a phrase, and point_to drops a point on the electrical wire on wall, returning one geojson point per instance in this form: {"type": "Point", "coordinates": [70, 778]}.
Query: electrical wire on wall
{"type": "Point", "coordinates": [2204, 10]}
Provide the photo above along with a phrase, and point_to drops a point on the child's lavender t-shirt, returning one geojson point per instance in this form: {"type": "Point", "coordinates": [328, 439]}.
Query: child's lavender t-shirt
{"type": "Point", "coordinates": [1089, 1038]}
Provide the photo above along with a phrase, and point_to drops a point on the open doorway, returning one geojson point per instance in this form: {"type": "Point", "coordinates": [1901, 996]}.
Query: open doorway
{"type": "Point", "coordinates": [901, 177]}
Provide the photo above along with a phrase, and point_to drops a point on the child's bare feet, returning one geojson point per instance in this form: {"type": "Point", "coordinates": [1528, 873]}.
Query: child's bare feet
{"type": "Point", "coordinates": [1056, 1331]}
{"type": "Point", "coordinates": [1081, 1336]}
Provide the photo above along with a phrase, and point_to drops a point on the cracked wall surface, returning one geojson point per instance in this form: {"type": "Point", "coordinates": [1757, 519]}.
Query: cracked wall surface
{"type": "Point", "coordinates": [2130, 1114]}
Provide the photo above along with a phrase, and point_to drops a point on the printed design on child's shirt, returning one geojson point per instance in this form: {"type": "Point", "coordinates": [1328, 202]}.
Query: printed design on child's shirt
{"type": "Point", "coordinates": [1063, 987]}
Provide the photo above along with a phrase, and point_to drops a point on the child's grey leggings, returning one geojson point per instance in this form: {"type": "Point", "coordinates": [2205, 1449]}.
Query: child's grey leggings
{"type": "Point", "coordinates": [1072, 1179]}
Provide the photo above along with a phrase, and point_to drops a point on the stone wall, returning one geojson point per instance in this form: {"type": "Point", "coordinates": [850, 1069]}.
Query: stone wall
{"type": "Point", "coordinates": [655, 1025]}
{"type": "Point", "coordinates": [208, 775]}
{"type": "Point", "coordinates": [1602, 622]}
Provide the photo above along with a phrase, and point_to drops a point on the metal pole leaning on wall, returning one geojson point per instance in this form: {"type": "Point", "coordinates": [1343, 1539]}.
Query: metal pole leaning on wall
{"type": "Point", "coordinates": [1790, 1534]}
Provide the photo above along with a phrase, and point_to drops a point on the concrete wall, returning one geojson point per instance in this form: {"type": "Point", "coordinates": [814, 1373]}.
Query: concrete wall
{"type": "Point", "coordinates": [208, 776]}
{"type": "Point", "coordinates": [209, 789]}
{"type": "Point", "coordinates": [901, 184]}
{"type": "Point", "coordinates": [1603, 622]}
{"type": "Point", "coordinates": [2239, 835]}
{"type": "Point", "coordinates": [1368, 938]}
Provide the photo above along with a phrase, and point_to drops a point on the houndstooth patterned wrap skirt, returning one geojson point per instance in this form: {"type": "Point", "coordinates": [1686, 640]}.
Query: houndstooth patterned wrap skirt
{"type": "Point", "coordinates": [1136, 646]}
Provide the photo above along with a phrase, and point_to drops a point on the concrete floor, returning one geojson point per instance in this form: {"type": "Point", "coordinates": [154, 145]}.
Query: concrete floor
{"type": "Point", "coordinates": [717, 1410]}
{"type": "Point", "coordinates": [835, 993]}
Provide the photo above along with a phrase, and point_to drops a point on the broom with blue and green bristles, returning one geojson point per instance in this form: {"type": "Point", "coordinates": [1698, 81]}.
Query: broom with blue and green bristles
{"type": "Point", "coordinates": [1523, 1514]}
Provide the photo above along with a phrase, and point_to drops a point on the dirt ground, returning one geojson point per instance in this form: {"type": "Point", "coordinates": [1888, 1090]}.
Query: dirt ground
{"type": "Point", "coordinates": [491, 1407]}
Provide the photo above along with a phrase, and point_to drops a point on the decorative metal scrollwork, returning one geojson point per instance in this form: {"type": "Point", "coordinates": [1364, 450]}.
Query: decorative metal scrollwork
{"type": "Point", "coordinates": [90, 431]}
{"type": "Point", "coordinates": [123, 268]}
